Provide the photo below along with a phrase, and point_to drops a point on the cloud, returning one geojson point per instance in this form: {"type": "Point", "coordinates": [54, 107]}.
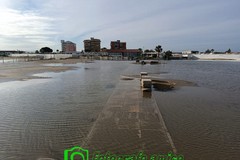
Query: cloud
{"type": "Point", "coordinates": [24, 29]}
{"type": "Point", "coordinates": [175, 25]}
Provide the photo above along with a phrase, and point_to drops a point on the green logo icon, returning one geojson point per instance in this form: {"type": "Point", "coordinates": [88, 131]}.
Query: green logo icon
{"type": "Point", "coordinates": [76, 152]}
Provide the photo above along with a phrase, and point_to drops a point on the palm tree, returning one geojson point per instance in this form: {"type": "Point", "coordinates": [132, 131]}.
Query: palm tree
{"type": "Point", "coordinates": [158, 49]}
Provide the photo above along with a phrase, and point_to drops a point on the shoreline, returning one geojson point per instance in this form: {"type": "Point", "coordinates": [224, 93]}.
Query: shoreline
{"type": "Point", "coordinates": [24, 71]}
{"type": "Point", "coordinates": [217, 57]}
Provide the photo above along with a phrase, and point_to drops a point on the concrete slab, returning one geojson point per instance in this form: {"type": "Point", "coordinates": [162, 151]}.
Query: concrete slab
{"type": "Point", "coordinates": [146, 83]}
{"type": "Point", "coordinates": [130, 122]}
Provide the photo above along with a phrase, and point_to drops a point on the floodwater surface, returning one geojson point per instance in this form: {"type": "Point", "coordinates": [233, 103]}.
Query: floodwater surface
{"type": "Point", "coordinates": [40, 118]}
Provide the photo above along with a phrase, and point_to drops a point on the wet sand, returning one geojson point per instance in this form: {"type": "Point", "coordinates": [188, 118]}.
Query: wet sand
{"type": "Point", "coordinates": [25, 70]}
{"type": "Point", "coordinates": [175, 82]}
{"type": "Point", "coordinates": [218, 59]}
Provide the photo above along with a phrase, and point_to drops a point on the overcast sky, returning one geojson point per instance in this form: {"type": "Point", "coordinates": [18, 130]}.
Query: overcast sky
{"type": "Point", "coordinates": [175, 24]}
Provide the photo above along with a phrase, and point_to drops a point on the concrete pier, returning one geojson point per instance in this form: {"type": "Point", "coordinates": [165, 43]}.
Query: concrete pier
{"type": "Point", "coordinates": [146, 84]}
{"type": "Point", "coordinates": [130, 122]}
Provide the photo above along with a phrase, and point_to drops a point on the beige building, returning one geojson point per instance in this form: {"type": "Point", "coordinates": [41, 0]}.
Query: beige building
{"type": "Point", "coordinates": [68, 47]}
{"type": "Point", "coordinates": [92, 45]}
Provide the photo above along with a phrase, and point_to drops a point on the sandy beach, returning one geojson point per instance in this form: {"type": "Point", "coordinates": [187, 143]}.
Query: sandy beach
{"type": "Point", "coordinates": [217, 57]}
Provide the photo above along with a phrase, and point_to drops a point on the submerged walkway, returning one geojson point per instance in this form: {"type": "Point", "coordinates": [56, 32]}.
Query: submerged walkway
{"type": "Point", "coordinates": [130, 122]}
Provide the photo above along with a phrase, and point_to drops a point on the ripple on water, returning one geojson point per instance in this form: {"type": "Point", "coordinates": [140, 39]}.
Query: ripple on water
{"type": "Point", "coordinates": [39, 119]}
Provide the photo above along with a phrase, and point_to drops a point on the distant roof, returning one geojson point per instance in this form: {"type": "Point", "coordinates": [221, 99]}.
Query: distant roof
{"type": "Point", "coordinates": [123, 51]}
{"type": "Point", "coordinates": [150, 53]}
{"type": "Point", "coordinates": [11, 51]}
{"type": "Point", "coordinates": [69, 42]}
{"type": "Point", "coordinates": [92, 39]}
{"type": "Point", "coordinates": [117, 41]}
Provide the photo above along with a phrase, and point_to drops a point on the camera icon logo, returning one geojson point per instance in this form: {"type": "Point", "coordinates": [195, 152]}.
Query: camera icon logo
{"type": "Point", "coordinates": [76, 153]}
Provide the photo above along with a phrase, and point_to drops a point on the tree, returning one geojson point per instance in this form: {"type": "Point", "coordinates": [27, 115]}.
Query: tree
{"type": "Point", "coordinates": [46, 50]}
{"type": "Point", "coordinates": [57, 50]}
{"type": "Point", "coordinates": [229, 51]}
{"type": "Point", "coordinates": [207, 51]}
{"type": "Point", "coordinates": [167, 55]}
{"type": "Point", "coordinates": [36, 51]}
{"type": "Point", "coordinates": [158, 49]}
{"type": "Point", "coordinates": [147, 50]}
{"type": "Point", "coordinates": [212, 50]}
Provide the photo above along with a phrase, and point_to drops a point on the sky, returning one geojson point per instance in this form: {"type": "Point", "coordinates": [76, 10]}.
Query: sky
{"type": "Point", "coordinates": [176, 25]}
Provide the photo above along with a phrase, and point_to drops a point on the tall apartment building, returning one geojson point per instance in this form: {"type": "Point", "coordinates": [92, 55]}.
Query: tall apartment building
{"type": "Point", "coordinates": [92, 45]}
{"type": "Point", "coordinates": [118, 45]}
{"type": "Point", "coordinates": [68, 46]}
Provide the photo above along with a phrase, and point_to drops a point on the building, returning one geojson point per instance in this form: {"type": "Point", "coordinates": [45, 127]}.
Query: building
{"type": "Point", "coordinates": [8, 52]}
{"type": "Point", "coordinates": [190, 52]}
{"type": "Point", "coordinates": [115, 45]}
{"type": "Point", "coordinates": [119, 49]}
{"type": "Point", "coordinates": [68, 47]}
{"type": "Point", "coordinates": [92, 45]}
{"type": "Point", "coordinates": [178, 55]}
{"type": "Point", "coordinates": [130, 53]}
{"type": "Point", "coordinates": [150, 54]}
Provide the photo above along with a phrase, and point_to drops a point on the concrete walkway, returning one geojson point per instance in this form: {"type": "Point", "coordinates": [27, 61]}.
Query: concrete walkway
{"type": "Point", "coordinates": [130, 122]}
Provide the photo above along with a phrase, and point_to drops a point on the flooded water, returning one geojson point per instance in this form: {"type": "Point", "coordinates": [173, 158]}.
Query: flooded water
{"type": "Point", "coordinates": [41, 118]}
{"type": "Point", "coordinates": [204, 121]}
